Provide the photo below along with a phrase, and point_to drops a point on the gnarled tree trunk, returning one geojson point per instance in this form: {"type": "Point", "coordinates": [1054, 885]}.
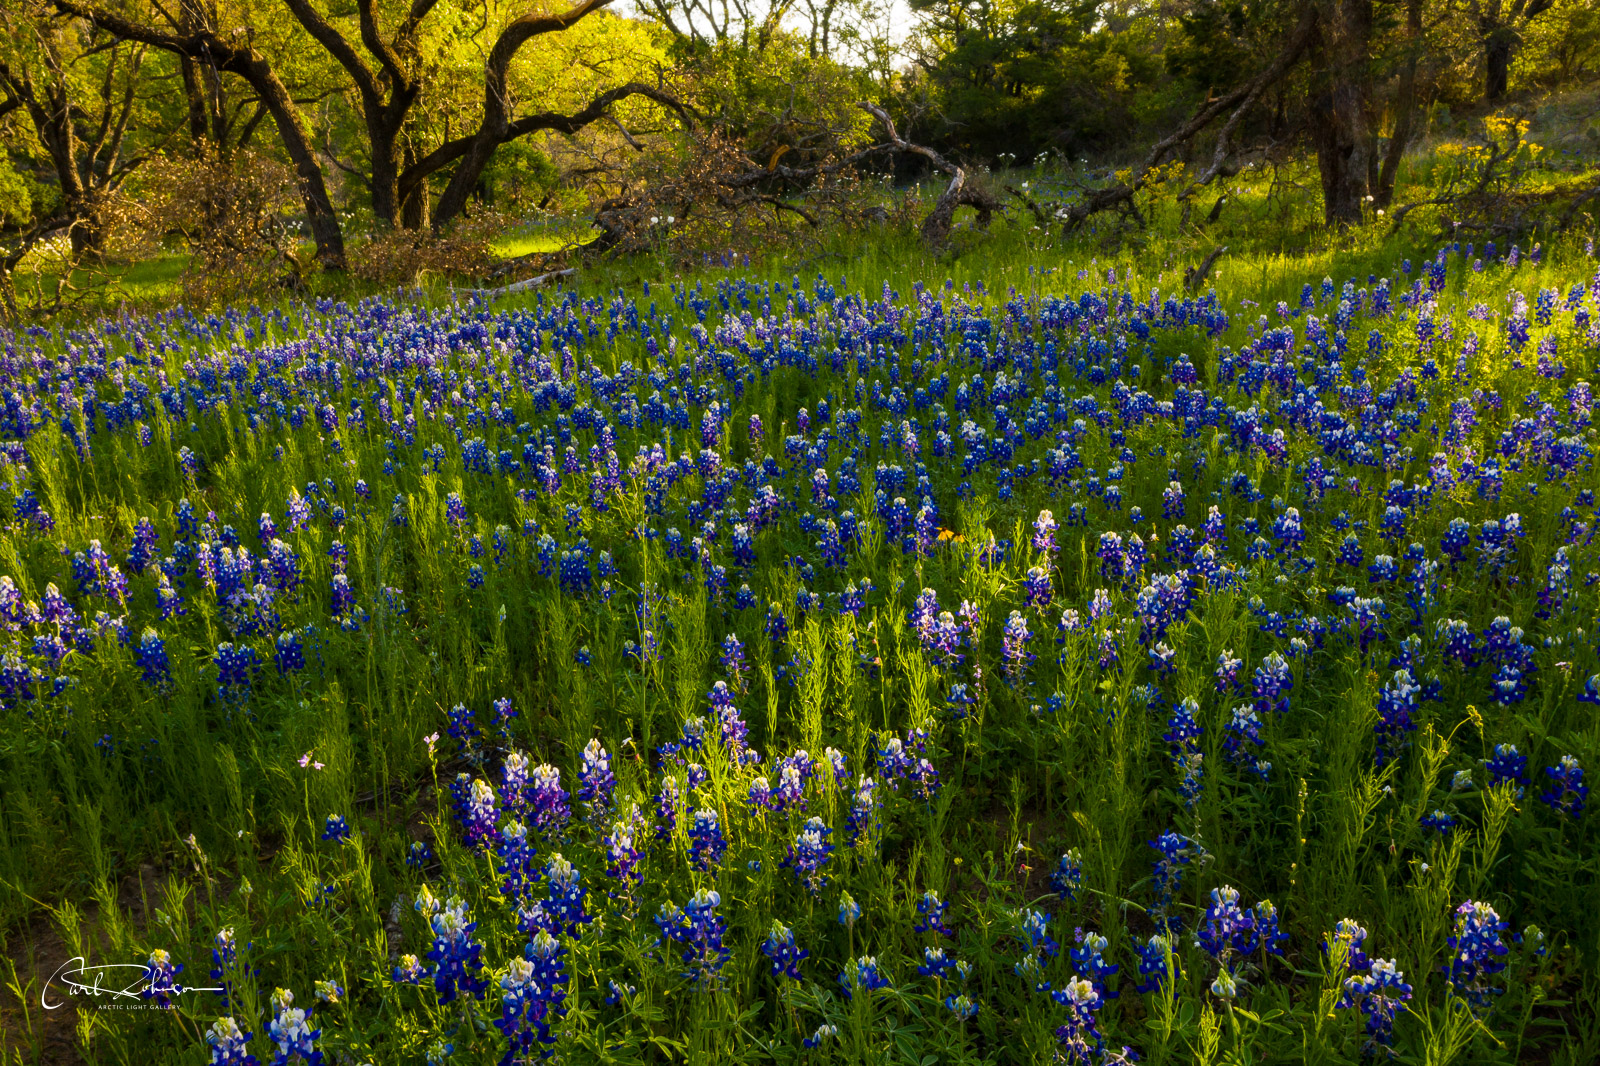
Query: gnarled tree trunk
{"type": "Point", "coordinates": [234, 55]}
{"type": "Point", "coordinates": [495, 127]}
{"type": "Point", "coordinates": [1340, 121]}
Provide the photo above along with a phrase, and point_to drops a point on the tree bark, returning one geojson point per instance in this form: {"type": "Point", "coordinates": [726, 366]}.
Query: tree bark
{"type": "Point", "coordinates": [50, 110]}
{"type": "Point", "coordinates": [1405, 105]}
{"type": "Point", "coordinates": [413, 198]}
{"type": "Point", "coordinates": [241, 59]}
{"type": "Point", "coordinates": [1497, 49]}
{"type": "Point", "coordinates": [1500, 26]}
{"type": "Point", "coordinates": [384, 117]}
{"type": "Point", "coordinates": [1340, 121]}
{"type": "Point", "coordinates": [495, 125]}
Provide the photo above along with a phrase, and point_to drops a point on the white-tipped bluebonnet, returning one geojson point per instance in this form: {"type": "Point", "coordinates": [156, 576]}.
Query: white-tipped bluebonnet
{"type": "Point", "coordinates": [785, 954]}
{"type": "Point", "coordinates": [291, 1033]}
{"type": "Point", "coordinates": [567, 894]}
{"type": "Point", "coordinates": [336, 829]}
{"type": "Point", "coordinates": [151, 657]}
{"type": "Point", "coordinates": [668, 801]}
{"type": "Point", "coordinates": [533, 994]}
{"type": "Point", "coordinates": [1067, 877]}
{"type": "Point", "coordinates": [1158, 963]}
{"type": "Point", "coordinates": [864, 975]}
{"type": "Point", "coordinates": [1567, 793]}
{"type": "Point", "coordinates": [810, 853]}
{"type": "Point", "coordinates": [1078, 1039]}
{"type": "Point", "coordinates": [1175, 851]}
{"type": "Point", "coordinates": [1476, 951]}
{"type": "Point", "coordinates": [409, 970]}
{"type": "Point", "coordinates": [456, 956]}
{"type": "Point", "coordinates": [230, 1045]}
{"type": "Point", "coordinates": [931, 910]}
{"type": "Point", "coordinates": [706, 842]}
{"type": "Point", "coordinates": [161, 979]}
{"type": "Point", "coordinates": [1033, 928]}
{"type": "Point", "coordinates": [517, 861]}
{"type": "Point", "coordinates": [1378, 994]}
{"type": "Point", "coordinates": [936, 963]}
{"type": "Point", "coordinates": [699, 929]}
{"type": "Point", "coordinates": [1507, 766]}
{"type": "Point", "coordinates": [548, 810]}
{"type": "Point", "coordinates": [596, 782]}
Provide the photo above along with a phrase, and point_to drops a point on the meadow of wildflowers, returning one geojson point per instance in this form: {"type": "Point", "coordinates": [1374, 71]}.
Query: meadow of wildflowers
{"type": "Point", "coordinates": [806, 670]}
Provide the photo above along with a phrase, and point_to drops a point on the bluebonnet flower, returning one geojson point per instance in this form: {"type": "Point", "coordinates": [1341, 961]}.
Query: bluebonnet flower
{"type": "Point", "coordinates": [565, 906]}
{"type": "Point", "coordinates": [456, 956]}
{"type": "Point", "coordinates": [1242, 741]}
{"type": "Point", "coordinates": [1227, 929]}
{"type": "Point", "coordinates": [514, 783]}
{"type": "Point", "coordinates": [1015, 647]}
{"type": "Point", "coordinates": [849, 910]}
{"type": "Point", "coordinates": [409, 970]}
{"type": "Point", "coordinates": [932, 910]}
{"type": "Point", "coordinates": [1378, 993]}
{"type": "Point", "coordinates": [151, 657]}
{"type": "Point", "coordinates": [336, 829]}
{"type": "Point", "coordinates": [1176, 851]}
{"type": "Point", "coordinates": [1079, 1039]}
{"type": "Point", "coordinates": [823, 1032]}
{"type": "Point", "coordinates": [1441, 822]}
{"type": "Point", "coordinates": [935, 963]}
{"type": "Point", "coordinates": [596, 782]}
{"type": "Point", "coordinates": [1567, 793]}
{"type": "Point", "coordinates": [863, 818]}
{"type": "Point", "coordinates": [288, 653]}
{"type": "Point", "coordinates": [504, 712]}
{"type": "Point", "coordinates": [518, 861]}
{"type": "Point", "coordinates": [862, 976]}
{"type": "Point", "coordinates": [1089, 957]}
{"type": "Point", "coordinates": [1271, 685]}
{"type": "Point", "coordinates": [463, 727]}
{"type": "Point", "coordinates": [1475, 953]}
{"type": "Point", "coordinates": [962, 1006]}
{"type": "Point", "coordinates": [1037, 587]}
{"type": "Point", "coordinates": [1158, 963]}
{"type": "Point", "coordinates": [839, 763]}
{"type": "Point", "coordinates": [622, 854]}
{"type": "Point", "coordinates": [706, 842]}
{"type": "Point", "coordinates": [1067, 877]}
{"type": "Point", "coordinates": [1397, 708]}
{"type": "Point", "coordinates": [290, 1030]}
{"type": "Point", "coordinates": [785, 954]}
{"type": "Point", "coordinates": [810, 853]}
{"type": "Point", "coordinates": [533, 992]}
{"type": "Point", "coordinates": [475, 802]}
{"type": "Point", "coordinates": [161, 979]}
{"type": "Point", "coordinates": [548, 809]}
{"type": "Point", "coordinates": [236, 668]}
{"type": "Point", "coordinates": [668, 800]}
{"type": "Point", "coordinates": [230, 1045]}
{"type": "Point", "coordinates": [1034, 927]}
{"type": "Point", "coordinates": [1506, 765]}
{"type": "Point", "coordinates": [700, 929]}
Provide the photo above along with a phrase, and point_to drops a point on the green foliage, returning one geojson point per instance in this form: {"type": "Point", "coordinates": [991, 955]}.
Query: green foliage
{"type": "Point", "coordinates": [16, 198]}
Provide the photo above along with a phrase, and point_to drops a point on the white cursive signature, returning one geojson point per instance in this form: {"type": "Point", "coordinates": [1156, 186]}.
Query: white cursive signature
{"type": "Point", "coordinates": [81, 979]}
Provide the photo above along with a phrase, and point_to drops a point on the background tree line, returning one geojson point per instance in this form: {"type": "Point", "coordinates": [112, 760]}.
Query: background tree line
{"type": "Point", "coordinates": [238, 123]}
